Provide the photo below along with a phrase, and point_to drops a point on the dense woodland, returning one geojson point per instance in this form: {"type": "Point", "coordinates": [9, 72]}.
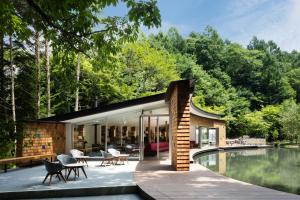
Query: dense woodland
{"type": "Point", "coordinates": [57, 57]}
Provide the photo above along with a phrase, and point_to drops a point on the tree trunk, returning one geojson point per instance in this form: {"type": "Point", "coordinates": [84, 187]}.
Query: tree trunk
{"type": "Point", "coordinates": [77, 82]}
{"type": "Point", "coordinates": [48, 79]}
{"type": "Point", "coordinates": [12, 76]}
{"type": "Point", "coordinates": [3, 103]}
{"type": "Point", "coordinates": [38, 72]}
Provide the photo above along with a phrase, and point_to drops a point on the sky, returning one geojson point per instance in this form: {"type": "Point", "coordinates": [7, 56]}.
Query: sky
{"type": "Point", "coordinates": [235, 20]}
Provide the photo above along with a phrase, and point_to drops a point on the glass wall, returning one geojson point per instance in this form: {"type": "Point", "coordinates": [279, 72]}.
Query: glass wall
{"type": "Point", "coordinates": [203, 137]}
{"type": "Point", "coordinates": [91, 138]}
{"type": "Point", "coordinates": [129, 133]}
{"type": "Point", "coordinates": [156, 136]}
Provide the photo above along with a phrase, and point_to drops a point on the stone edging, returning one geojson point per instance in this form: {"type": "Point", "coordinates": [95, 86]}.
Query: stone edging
{"type": "Point", "coordinates": [200, 151]}
{"type": "Point", "coordinates": [76, 192]}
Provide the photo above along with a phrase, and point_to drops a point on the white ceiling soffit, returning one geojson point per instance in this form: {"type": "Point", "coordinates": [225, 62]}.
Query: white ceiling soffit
{"type": "Point", "coordinates": [130, 109]}
{"type": "Point", "coordinates": [201, 113]}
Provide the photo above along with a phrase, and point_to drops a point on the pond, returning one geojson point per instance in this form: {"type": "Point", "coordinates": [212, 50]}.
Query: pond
{"type": "Point", "coordinates": [276, 168]}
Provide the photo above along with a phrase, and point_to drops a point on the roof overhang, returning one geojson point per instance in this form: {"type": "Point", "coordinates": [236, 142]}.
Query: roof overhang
{"type": "Point", "coordinates": [144, 102]}
{"type": "Point", "coordinates": [198, 112]}
{"type": "Point", "coordinates": [135, 110]}
{"type": "Point", "coordinates": [131, 108]}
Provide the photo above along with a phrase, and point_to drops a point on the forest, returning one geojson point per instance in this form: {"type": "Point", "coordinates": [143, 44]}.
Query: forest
{"type": "Point", "coordinates": [61, 57]}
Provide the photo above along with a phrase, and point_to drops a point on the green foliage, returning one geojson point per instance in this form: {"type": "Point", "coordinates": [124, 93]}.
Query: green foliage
{"type": "Point", "coordinates": [78, 25]}
{"type": "Point", "coordinates": [172, 41]}
{"type": "Point", "coordinates": [147, 70]}
{"type": "Point", "coordinates": [293, 77]}
{"type": "Point", "coordinates": [275, 135]}
{"type": "Point", "coordinates": [70, 27]}
{"type": "Point", "coordinates": [138, 70]}
{"type": "Point", "coordinates": [255, 125]}
{"type": "Point", "coordinates": [246, 85]}
{"type": "Point", "coordinates": [10, 21]}
{"type": "Point", "coordinates": [290, 120]}
{"type": "Point", "coordinates": [262, 123]}
{"type": "Point", "coordinates": [207, 47]}
{"type": "Point", "coordinates": [7, 137]}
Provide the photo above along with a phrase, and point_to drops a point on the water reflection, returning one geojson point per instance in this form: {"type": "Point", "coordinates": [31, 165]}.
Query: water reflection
{"type": "Point", "coordinates": [274, 168]}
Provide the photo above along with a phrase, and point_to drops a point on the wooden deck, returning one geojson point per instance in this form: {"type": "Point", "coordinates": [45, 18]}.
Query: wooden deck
{"type": "Point", "coordinates": [158, 180]}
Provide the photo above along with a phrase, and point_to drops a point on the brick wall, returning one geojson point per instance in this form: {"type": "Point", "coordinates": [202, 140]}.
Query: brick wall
{"type": "Point", "coordinates": [180, 125]}
{"type": "Point", "coordinates": [41, 139]}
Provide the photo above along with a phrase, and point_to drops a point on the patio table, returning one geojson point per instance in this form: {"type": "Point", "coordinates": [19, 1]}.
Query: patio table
{"type": "Point", "coordinates": [122, 158]}
{"type": "Point", "coordinates": [82, 159]}
{"type": "Point", "coordinates": [75, 167]}
{"type": "Point", "coordinates": [136, 151]}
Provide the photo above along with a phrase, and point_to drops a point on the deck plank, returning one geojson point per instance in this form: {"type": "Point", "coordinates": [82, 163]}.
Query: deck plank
{"type": "Point", "coordinates": [158, 180]}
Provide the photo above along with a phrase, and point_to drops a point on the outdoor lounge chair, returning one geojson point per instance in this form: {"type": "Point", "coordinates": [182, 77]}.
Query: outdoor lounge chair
{"type": "Point", "coordinates": [70, 164]}
{"type": "Point", "coordinates": [79, 156]}
{"type": "Point", "coordinates": [132, 150]}
{"type": "Point", "coordinates": [107, 157]}
{"type": "Point", "coordinates": [114, 152]}
{"type": "Point", "coordinates": [53, 169]}
{"type": "Point", "coordinates": [118, 156]}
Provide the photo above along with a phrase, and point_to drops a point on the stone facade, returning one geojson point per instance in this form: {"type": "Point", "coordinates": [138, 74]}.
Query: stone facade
{"type": "Point", "coordinates": [42, 139]}
{"type": "Point", "coordinates": [179, 109]}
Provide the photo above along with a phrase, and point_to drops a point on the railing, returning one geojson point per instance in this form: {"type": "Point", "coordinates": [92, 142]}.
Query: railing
{"type": "Point", "coordinates": [246, 141]}
{"type": "Point", "coordinates": [25, 159]}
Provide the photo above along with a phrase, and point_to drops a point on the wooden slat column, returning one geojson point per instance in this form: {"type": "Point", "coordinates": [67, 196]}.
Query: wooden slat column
{"type": "Point", "coordinates": [180, 125]}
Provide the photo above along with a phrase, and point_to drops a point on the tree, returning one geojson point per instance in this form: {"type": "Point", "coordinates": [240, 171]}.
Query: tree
{"type": "Point", "coordinates": [171, 41]}
{"type": "Point", "coordinates": [293, 77]}
{"type": "Point", "coordinates": [207, 47]}
{"type": "Point", "coordinates": [3, 92]}
{"type": "Point", "coordinates": [10, 24]}
{"type": "Point", "coordinates": [38, 72]}
{"type": "Point", "coordinates": [48, 77]}
{"type": "Point", "coordinates": [254, 125]}
{"type": "Point", "coordinates": [147, 70]}
{"type": "Point", "coordinates": [12, 76]}
{"type": "Point", "coordinates": [63, 67]}
{"type": "Point", "coordinates": [77, 82]}
{"type": "Point", "coordinates": [290, 120]}
{"type": "Point", "coordinates": [78, 25]}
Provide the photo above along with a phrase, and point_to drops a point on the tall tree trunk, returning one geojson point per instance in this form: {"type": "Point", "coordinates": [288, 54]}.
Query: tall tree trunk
{"type": "Point", "coordinates": [77, 79]}
{"type": "Point", "coordinates": [48, 79]}
{"type": "Point", "coordinates": [12, 77]}
{"type": "Point", "coordinates": [3, 110]}
{"type": "Point", "coordinates": [38, 72]}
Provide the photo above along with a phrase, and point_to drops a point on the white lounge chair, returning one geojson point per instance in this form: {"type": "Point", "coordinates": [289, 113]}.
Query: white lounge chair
{"type": "Point", "coordinates": [79, 156]}
{"type": "Point", "coordinates": [118, 156]}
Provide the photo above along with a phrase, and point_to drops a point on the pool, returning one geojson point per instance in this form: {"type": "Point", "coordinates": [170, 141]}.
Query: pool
{"type": "Point", "coordinates": [276, 168]}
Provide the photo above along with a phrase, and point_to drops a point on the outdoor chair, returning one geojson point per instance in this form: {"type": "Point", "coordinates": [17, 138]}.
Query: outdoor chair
{"type": "Point", "coordinates": [107, 157]}
{"type": "Point", "coordinates": [114, 152]}
{"type": "Point", "coordinates": [132, 150]}
{"type": "Point", "coordinates": [76, 153]}
{"type": "Point", "coordinates": [79, 156]}
{"type": "Point", "coordinates": [70, 164]}
{"type": "Point", "coordinates": [118, 156]}
{"type": "Point", "coordinates": [53, 169]}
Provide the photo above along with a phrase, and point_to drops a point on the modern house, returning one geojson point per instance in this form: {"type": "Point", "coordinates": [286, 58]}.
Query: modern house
{"type": "Point", "coordinates": [148, 126]}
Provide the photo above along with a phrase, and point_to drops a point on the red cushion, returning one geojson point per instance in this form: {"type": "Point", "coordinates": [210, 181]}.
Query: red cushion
{"type": "Point", "coordinates": [163, 146]}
